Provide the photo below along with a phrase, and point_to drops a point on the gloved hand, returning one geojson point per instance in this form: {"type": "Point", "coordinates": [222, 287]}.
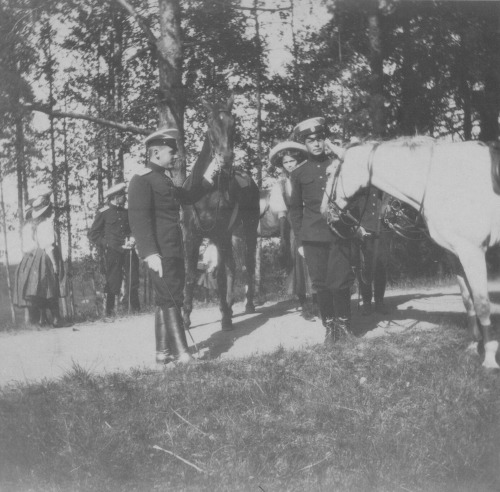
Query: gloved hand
{"type": "Point", "coordinates": [300, 250]}
{"type": "Point", "coordinates": [361, 234]}
{"type": "Point", "coordinates": [154, 263]}
{"type": "Point", "coordinates": [212, 169]}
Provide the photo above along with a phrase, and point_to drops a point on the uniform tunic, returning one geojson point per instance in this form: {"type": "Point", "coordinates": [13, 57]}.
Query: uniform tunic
{"type": "Point", "coordinates": [327, 256]}
{"type": "Point", "coordinates": [154, 206]}
{"type": "Point", "coordinates": [111, 230]}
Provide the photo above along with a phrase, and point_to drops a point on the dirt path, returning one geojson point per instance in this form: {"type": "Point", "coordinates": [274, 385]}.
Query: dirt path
{"type": "Point", "coordinates": [128, 343]}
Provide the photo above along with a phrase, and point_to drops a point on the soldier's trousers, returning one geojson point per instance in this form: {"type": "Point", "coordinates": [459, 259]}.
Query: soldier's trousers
{"type": "Point", "coordinates": [169, 289]}
{"type": "Point", "coordinates": [331, 274]}
{"type": "Point", "coordinates": [118, 266]}
{"type": "Point", "coordinates": [374, 257]}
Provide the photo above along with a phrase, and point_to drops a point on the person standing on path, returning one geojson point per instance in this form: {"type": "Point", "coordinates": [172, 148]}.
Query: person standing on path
{"type": "Point", "coordinates": [40, 278]}
{"type": "Point", "coordinates": [373, 246]}
{"type": "Point", "coordinates": [154, 215]}
{"type": "Point", "coordinates": [111, 231]}
{"type": "Point", "coordinates": [287, 156]}
{"type": "Point", "coordinates": [327, 255]}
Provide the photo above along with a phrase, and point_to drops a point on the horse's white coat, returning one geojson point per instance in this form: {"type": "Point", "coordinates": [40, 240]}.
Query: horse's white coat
{"type": "Point", "coordinates": [459, 206]}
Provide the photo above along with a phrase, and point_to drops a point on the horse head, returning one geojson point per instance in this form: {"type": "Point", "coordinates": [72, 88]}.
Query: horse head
{"type": "Point", "coordinates": [221, 127]}
{"type": "Point", "coordinates": [344, 179]}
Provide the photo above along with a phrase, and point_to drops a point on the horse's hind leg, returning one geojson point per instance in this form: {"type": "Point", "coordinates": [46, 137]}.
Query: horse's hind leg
{"type": "Point", "coordinates": [474, 265]}
{"type": "Point", "coordinates": [224, 248]}
{"type": "Point", "coordinates": [466, 292]}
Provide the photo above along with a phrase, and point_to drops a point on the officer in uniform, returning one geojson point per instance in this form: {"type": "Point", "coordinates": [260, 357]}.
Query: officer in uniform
{"type": "Point", "coordinates": [328, 257]}
{"type": "Point", "coordinates": [111, 231]}
{"type": "Point", "coordinates": [373, 250]}
{"type": "Point", "coordinates": [154, 205]}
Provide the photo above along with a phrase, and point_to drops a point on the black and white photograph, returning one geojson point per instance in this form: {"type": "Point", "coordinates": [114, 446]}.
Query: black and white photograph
{"type": "Point", "coordinates": [249, 245]}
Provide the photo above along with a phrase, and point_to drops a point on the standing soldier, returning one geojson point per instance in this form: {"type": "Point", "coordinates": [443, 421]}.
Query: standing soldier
{"type": "Point", "coordinates": [154, 205]}
{"type": "Point", "coordinates": [111, 231]}
{"type": "Point", "coordinates": [327, 256]}
{"type": "Point", "coordinates": [373, 248]}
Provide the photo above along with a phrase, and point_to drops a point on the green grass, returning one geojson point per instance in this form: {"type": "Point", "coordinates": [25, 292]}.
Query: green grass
{"type": "Point", "coordinates": [405, 412]}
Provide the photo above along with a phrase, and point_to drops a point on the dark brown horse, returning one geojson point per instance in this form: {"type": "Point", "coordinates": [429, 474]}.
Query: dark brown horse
{"type": "Point", "coordinates": [233, 201]}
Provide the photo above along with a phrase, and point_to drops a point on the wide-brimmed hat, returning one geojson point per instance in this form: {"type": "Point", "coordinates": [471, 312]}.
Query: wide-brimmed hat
{"type": "Point", "coordinates": [309, 127]}
{"type": "Point", "coordinates": [117, 189]}
{"type": "Point", "coordinates": [283, 148]}
{"type": "Point", "coordinates": [163, 136]}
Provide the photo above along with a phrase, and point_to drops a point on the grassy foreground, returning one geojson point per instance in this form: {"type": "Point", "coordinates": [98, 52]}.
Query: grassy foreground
{"type": "Point", "coordinates": [410, 412]}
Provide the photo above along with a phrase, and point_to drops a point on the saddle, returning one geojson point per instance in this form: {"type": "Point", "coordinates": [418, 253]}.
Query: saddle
{"type": "Point", "coordinates": [495, 165]}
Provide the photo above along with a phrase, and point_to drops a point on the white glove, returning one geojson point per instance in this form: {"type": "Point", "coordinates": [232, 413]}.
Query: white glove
{"type": "Point", "coordinates": [154, 262]}
{"type": "Point", "coordinates": [212, 169]}
{"type": "Point", "coordinates": [334, 148]}
{"type": "Point", "coordinates": [300, 250]}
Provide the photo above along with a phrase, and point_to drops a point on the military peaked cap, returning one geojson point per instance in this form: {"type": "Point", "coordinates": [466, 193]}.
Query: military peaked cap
{"type": "Point", "coordinates": [312, 126]}
{"type": "Point", "coordinates": [164, 136]}
{"type": "Point", "coordinates": [115, 190]}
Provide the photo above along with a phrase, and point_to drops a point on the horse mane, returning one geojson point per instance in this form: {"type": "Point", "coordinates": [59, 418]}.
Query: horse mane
{"type": "Point", "coordinates": [203, 159]}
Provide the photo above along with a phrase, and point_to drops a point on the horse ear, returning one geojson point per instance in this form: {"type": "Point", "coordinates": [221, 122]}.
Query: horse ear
{"type": "Point", "coordinates": [230, 102]}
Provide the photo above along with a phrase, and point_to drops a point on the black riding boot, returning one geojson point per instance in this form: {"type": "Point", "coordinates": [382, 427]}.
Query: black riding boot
{"type": "Point", "coordinates": [176, 333]}
{"type": "Point", "coordinates": [43, 320]}
{"type": "Point", "coordinates": [164, 353]}
{"type": "Point", "coordinates": [110, 304]}
{"type": "Point", "coordinates": [135, 305]}
{"type": "Point", "coordinates": [326, 306]}
{"type": "Point", "coordinates": [342, 302]}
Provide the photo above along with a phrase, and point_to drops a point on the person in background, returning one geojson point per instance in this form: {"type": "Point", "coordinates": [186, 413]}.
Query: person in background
{"type": "Point", "coordinates": [40, 278]}
{"type": "Point", "coordinates": [154, 215]}
{"type": "Point", "coordinates": [208, 265]}
{"type": "Point", "coordinates": [328, 256]}
{"type": "Point", "coordinates": [287, 156]}
{"type": "Point", "coordinates": [373, 250]}
{"type": "Point", "coordinates": [111, 231]}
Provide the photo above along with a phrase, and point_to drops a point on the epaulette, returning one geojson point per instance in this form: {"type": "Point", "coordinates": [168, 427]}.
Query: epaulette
{"type": "Point", "coordinates": [144, 171]}
{"type": "Point", "coordinates": [103, 208]}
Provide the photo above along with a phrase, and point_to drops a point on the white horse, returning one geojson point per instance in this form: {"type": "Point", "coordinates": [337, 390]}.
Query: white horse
{"type": "Point", "coordinates": [450, 184]}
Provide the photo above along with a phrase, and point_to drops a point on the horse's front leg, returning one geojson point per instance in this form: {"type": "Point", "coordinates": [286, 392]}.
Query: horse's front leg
{"type": "Point", "coordinates": [474, 265]}
{"type": "Point", "coordinates": [231, 273]}
{"type": "Point", "coordinates": [192, 252]}
{"type": "Point", "coordinates": [225, 310]}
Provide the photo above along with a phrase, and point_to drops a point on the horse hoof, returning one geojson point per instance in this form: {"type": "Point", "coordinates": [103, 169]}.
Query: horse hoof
{"type": "Point", "coordinates": [249, 309]}
{"type": "Point", "coordinates": [227, 325]}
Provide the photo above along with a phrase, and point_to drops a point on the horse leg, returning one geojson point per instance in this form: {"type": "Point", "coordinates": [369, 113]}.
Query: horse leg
{"type": "Point", "coordinates": [192, 253]}
{"type": "Point", "coordinates": [226, 321]}
{"type": "Point", "coordinates": [250, 227]}
{"type": "Point", "coordinates": [231, 273]}
{"type": "Point", "coordinates": [474, 264]}
{"type": "Point", "coordinates": [466, 292]}
{"type": "Point", "coordinates": [472, 324]}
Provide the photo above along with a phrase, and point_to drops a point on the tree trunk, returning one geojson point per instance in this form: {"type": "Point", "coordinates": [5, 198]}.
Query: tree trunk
{"type": "Point", "coordinates": [7, 264]}
{"type": "Point", "coordinates": [376, 65]}
{"type": "Point", "coordinates": [172, 102]}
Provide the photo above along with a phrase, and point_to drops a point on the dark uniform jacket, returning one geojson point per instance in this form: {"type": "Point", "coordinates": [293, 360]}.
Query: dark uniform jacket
{"type": "Point", "coordinates": [110, 228]}
{"type": "Point", "coordinates": [370, 206]}
{"type": "Point", "coordinates": [153, 210]}
{"type": "Point", "coordinates": [308, 187]}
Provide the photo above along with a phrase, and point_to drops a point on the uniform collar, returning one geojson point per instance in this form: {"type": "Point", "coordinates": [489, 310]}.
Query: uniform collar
{"type": "Point", "coordinates": [319, 158]}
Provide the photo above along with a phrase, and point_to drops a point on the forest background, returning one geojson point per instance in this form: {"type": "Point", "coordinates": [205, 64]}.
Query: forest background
{"type": "Point", "coordinates": [82, 83]}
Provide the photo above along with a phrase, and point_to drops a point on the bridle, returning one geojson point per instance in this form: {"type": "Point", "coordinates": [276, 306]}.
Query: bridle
{"type": "Point", "coordinates": [397, 217]}
{"type": "Point", "coordinates": [343, 214]}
